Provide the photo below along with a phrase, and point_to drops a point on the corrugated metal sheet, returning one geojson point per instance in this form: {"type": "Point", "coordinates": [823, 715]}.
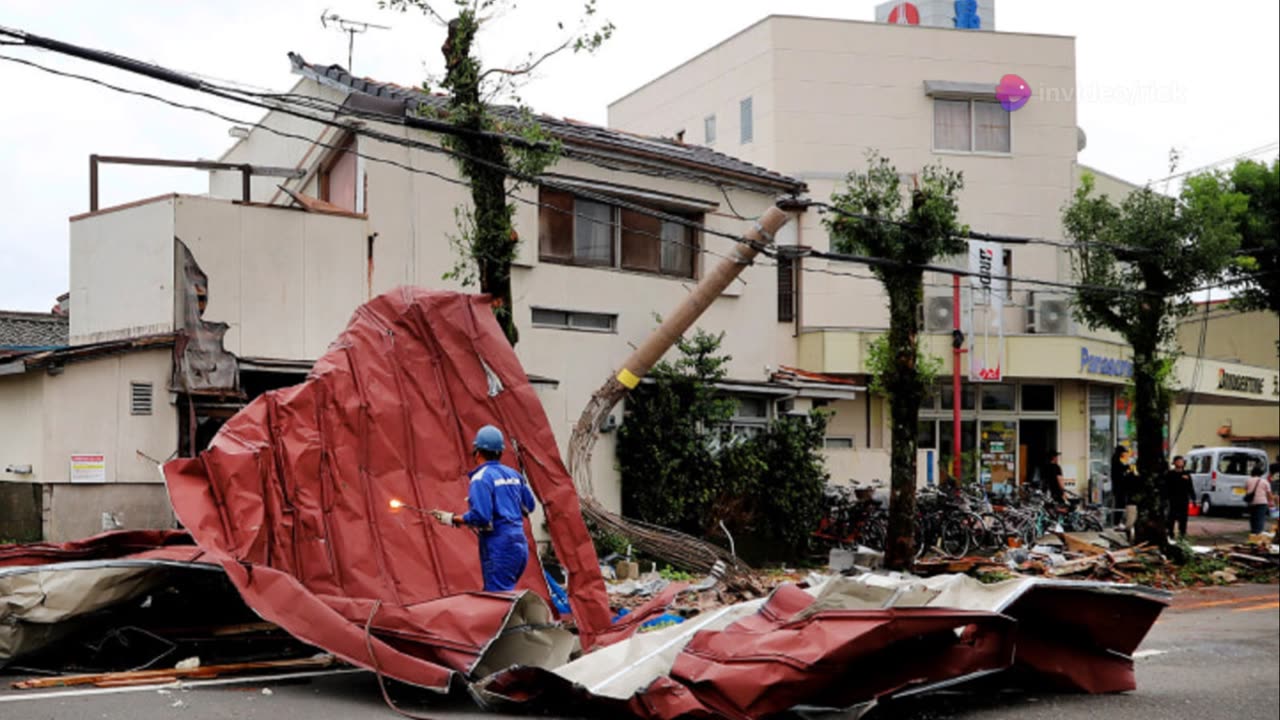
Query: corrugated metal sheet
{"type": "Point", "coordinates": [292, 497]}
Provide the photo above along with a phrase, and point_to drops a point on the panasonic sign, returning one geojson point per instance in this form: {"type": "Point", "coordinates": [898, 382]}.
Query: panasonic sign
{"type": "Point", "coordinates": [1098, 365]}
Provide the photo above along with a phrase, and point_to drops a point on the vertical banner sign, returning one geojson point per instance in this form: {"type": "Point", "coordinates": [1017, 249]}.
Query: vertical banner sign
{"type": "Point", "coordinates": [989, 286]}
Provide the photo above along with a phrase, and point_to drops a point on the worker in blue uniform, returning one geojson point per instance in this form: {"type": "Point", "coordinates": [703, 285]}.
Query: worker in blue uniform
{"type": "Point", "coordinates": [498, 499]}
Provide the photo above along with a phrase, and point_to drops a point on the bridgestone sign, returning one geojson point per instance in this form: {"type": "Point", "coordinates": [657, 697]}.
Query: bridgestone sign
{"type": "Point", "coordinates": [1239, 383]}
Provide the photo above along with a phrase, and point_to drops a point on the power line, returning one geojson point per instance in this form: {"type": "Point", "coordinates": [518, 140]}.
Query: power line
{"type": "Point", "coordinates": [1271, 146]}
{"type": "Point", "coordinates": [294, 136]}
{"type": "Point", "coordinates": [164, 74]}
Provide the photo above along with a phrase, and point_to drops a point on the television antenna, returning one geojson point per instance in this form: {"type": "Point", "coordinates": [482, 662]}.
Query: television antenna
{"type": "Point", "coordinates": [351, 28]}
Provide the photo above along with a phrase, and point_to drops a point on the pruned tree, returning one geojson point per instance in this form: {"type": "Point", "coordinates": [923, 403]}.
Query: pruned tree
{"type": "Point", "coordinates": [494, 146]}
{"type": "Point", "coordinates": [909, 229]}
{"type": "Point", "coordinates": [1138, 263]}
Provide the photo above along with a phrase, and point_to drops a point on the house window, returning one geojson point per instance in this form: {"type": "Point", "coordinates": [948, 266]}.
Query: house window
{"type": "Point", "coordinates": [593, 231]}
{"type": "Point", "coordinates": [786, 289]}
{"type": "Point", "coordinates": [140, 394]}
{"type": "Point", "coordinates": [338, 177]}
{"type": "Point", "coordinates": [980, 126]}
{"type": "Point", "coordinates": [745, 121]}
{"type": "Point", "coordinates": [709, 129]}
{"type": "Point", "coordinates": [838, 443]}
{"type": "Point", "coordinates": [588, 232]}
{"type": "Point", "coordinates": [574, 320]}
{"type": "Point", "coordinates": [750, 418]}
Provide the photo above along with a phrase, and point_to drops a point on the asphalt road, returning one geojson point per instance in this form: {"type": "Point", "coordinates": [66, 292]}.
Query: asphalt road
{"type": "Point", "coordinates": [1214, 654]}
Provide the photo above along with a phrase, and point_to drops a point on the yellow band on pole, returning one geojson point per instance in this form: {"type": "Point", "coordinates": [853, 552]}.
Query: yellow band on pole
{"type": "Point", "coordinates": [628, 379]}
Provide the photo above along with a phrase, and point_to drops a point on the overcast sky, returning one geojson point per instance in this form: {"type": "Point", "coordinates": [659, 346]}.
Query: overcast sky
{"type": "Point", "coordinates": [1198, 76]}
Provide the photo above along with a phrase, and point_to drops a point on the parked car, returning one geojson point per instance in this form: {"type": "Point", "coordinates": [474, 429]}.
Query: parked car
{"type": "Point", "coordinates": [1220, 474]}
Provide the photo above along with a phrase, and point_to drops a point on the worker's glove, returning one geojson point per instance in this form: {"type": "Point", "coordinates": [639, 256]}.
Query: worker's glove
{"type": "Point", "coordinates": [445, 518]}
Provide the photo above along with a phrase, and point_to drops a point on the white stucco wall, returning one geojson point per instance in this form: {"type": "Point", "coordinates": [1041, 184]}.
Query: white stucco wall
{"type": "Point", "coordinates": [286, 281]}
{"type": "Point", "coordinates": [87, 410]}
{"type": "Point", "coordinates": [122, 271]}
{"type": "Point", "coordinates": [21, 427]}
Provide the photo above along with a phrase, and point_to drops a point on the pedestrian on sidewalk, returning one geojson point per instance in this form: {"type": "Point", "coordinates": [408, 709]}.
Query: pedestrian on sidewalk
{"type": "Point", "coordinates": [1124, 483]}
{"type": "Point", "coordinates": [1257, 492]}
{"type": "Point", "coordinates": [1051, 478]}
{"type": "Point", "coordinates": [1179, 492]}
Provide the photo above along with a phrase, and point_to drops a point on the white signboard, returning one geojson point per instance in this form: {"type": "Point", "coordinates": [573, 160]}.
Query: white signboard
{"type": "Point", "coordinates": [989, 286]}
{"type": "Point", "coordinates": [89, 468]}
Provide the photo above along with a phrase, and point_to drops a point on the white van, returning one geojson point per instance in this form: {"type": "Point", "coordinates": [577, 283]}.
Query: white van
{"type": "Point", "coordinates": [1220, 474]}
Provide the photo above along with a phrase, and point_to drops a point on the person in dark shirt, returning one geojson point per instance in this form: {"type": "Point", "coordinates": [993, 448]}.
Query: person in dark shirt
{"type": "Point", "coordinates": [1051, 478]}
{"type": "Point", "coordinates": [1179, 492]}
{"type": "Point", "coordinates": [1123, 482]}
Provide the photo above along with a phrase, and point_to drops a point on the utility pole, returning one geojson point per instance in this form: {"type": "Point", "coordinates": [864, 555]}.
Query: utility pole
{"type": "Point", "coordinates": [351, 28]}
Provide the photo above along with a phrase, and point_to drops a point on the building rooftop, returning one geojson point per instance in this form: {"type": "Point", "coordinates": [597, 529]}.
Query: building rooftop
{"type": "Point", "coordinates": [20, 331]}
{"type": "Point", "coordinates": [582, 138]}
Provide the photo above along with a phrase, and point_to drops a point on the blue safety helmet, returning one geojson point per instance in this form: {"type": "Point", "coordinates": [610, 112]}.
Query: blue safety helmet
{"type": "Point", "coordinates": [489, 438]}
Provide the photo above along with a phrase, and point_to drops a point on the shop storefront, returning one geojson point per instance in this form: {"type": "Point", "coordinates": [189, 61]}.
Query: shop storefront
{"type": "Point", "coordinates": [1007, 431]}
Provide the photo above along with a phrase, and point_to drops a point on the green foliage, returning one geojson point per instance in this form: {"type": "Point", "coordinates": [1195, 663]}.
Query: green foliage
{"type": "Point", "coordinates": [889, 228]}
{"type": "Point", "coordinates": [1151, 248]}
{"type": "Point", "coordinates": [607, 543]}
{"type": "Point", "coordinates": [880, 360]}
{"type": "Point", "coordinates": [669, 573]}
{"type": "Point", "coordinates": [1258, 265]}
{"type": "Point", "coordinates": [682, 468]}
{"type": "Point", "coordinates": [492, 145]}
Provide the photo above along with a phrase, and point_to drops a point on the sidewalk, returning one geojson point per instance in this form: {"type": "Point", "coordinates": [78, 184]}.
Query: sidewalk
{"type": "Point", "coordinates": [1217, 530]}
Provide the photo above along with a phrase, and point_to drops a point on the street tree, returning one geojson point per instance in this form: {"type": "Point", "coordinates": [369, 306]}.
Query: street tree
{"type": "Point", "coordinates": [1138, 263]}
{"type": "Point", "coordinates": [875, 216]}
{"type": "Point", "coordinates": [1257, 268]}
{"type": "Point", "coordinates": [494, 145]}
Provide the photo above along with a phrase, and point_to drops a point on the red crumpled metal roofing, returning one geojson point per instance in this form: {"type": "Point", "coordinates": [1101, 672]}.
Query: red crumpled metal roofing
{"type": "Point", "coordinates": [292, 496]}
{"type": "Point", "coordinates": [174, 545]}
{"type": "Point", "coordinates": [1067, 636]}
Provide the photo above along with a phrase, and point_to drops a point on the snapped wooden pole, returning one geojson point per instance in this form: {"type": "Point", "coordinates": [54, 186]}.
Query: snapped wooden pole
{"type": "Point", "coordinates": [704, 293]}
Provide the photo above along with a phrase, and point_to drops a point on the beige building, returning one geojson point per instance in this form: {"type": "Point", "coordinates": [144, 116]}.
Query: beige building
{"type": "Point", "coordinates": [1241, 355]}
{"type": "Point", "coordinates": [810, 97]}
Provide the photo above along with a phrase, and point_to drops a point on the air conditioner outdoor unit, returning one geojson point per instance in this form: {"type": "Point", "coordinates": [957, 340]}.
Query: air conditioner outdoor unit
{"type": "Point", "coordinates": [1049, 315]}
{"type": "Point", "coordinates": [939, 314]}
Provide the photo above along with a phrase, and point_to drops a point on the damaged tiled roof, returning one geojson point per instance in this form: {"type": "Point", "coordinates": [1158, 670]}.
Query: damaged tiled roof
{"type": "Point", "coordinates": [581, 137]}
{"type": "Point", "coordinates": [32, 330]}
{"type": "Point", "coordinates": [19, 361]}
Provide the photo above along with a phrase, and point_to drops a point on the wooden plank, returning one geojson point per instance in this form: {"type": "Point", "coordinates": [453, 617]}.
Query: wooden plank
{"type": "Point", "coordinates": [1074, 544]}
{"type": "Point", "coordinates": [168, 675]}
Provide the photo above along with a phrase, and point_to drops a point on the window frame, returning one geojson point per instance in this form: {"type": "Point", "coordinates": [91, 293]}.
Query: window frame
{"type": "Point", "coordinates": [747, 129]}
{"type": "Point", "coordinates": [973, 130]}
{"type": "Point", "coordinates": [841, 441]}
{"type": "Point", "coordinates": [692, 238]}
{"type": "Point", "coordinates": [569, 323]}
{"type": "Point", "coordinates": [709, 130]}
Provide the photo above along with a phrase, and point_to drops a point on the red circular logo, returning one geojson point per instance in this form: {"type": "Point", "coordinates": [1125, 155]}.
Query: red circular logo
{"type": "Point", "coordinates": [904, 14]}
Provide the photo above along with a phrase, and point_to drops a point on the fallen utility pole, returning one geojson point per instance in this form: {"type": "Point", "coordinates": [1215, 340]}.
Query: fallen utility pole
{"type": "Point", "coordinates": [168, 675]}
{"type": "Point", "coordinates": [675, 547]}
